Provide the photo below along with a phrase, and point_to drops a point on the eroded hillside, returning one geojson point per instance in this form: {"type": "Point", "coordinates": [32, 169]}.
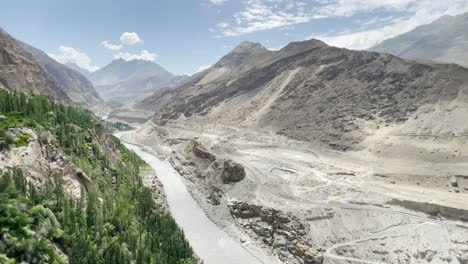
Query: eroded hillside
{"type": "Point", "coordinates": [314, 92]}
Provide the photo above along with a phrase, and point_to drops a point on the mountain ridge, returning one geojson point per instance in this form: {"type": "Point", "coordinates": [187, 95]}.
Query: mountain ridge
{"type": "Point", "coordinates": [311, 91]}
{"type": "Point", "coordinates": [21, 72]}
{"type": "Point", "coordinates": [78, 88]}
{"type": "Point", "coordinates": [444, 40]}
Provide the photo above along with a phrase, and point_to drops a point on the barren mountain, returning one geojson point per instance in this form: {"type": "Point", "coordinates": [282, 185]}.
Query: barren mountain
{"type": "Point", "coordinates": [76, 86]}
{"type": "Point", "coordinates": [20, 71]}
{"type": "Point", "coordinates": [444, 40]}
{"type": "Point", "coordinates": [311, 91]}
{"type": "Point", "coordinates": [252, 136]}
{"type": "Point", "coordinates": [127, 81]}
{"type": "Point", "coordinates": [77, 68]}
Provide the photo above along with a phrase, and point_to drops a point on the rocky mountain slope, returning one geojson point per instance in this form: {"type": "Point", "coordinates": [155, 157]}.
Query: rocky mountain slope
{"type": "Point", "coordinates": [21, 72]}
{"type": "Point", "coordinates": [444, 40]}
{"type": "Point", "coordinates": [127, 81]}
{"type": "Point", "coordinates": [311, 91]}
{"type": "Point", "coordinates": [77, 68]}
{"type": "Point", "coordinates": [74, 84]}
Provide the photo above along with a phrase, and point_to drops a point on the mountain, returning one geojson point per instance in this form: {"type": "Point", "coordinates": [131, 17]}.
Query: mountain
{"type": "Point", "coordinates": [314, 92]}
{"type": "Point", "coordinates": [21, 72]}
{"type": "Point", "coordinates": [75, 85]}
{"type": "Point", "coordinates": [127, 81]}
{"type": "Point", "coordinates": [444, 40]}
{"type": "Point", "coordinates": [77, 68]}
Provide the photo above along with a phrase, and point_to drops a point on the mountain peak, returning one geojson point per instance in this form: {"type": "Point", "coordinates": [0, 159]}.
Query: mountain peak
{"type": "Point", "coordinates": [304, 45]}
{"type": "Point", "coordinates": [247, 47]}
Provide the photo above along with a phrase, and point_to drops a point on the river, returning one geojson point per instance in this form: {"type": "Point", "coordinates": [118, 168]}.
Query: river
{"type": "Point", "coordinates": [209, 241]}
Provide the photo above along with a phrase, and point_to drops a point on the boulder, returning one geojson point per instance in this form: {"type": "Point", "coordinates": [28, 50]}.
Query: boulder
{"type": "Point", "coordinates": [199, 151]}
{"type": "Point", "coordinates": [232, 172]}
{"type": "Point", "coordinates": [454, 182]}
{"type": "Point", "coordinates": [262, 229]}
{"type": "Point", "coordinates": [308, 254]}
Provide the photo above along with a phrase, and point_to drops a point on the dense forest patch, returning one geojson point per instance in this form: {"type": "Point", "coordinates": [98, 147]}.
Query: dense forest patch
{"type": "Point", "coordinates": [117, 223]}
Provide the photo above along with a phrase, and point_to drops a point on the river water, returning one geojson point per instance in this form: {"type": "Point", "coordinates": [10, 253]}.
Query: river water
{"type": "Point", "coordinates": [209, 242]}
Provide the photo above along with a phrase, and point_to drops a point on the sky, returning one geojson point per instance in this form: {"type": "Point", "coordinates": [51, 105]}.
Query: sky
{"type": "Point", "coordinates": [186, 36]}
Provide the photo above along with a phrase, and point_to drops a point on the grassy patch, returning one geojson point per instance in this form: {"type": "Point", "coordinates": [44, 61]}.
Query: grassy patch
{"type": "Point", "coordinates": [22, 140]}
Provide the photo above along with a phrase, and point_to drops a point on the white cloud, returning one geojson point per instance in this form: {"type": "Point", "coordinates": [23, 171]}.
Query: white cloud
{"type": "Point", "coordinates": [130, 38]}
{"type": "Point", "coordinates": [111, 46]}
{"type": "Point", "coordinates": [70, 55]}
{"type": "Point", "coordinates": [223, 25]}
{"type": "Point", "coordinates": [144, 55]}
{"type": "Point", "coordinates": [258, 15]}
{"type": "Point", "coordinates": [217, 2]}
{"type": "Point", "coordinates": [261, 15]}
{"type": "Point", "coordinates": [423, 12]}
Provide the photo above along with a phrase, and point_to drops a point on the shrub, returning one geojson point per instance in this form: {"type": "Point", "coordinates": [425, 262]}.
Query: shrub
{"type": "Point", "coordinates": [22, 140]}
{"type": "Point", "coordinates": [5, 139]}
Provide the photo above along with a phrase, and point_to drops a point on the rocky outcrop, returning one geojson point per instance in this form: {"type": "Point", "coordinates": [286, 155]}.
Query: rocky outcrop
{"type": "Point", "coordinates": [284, 232]}
{"type": "Point", "coordinates": [41, 160]}
{"type": "Point", "coordinates": [199, 151]}
{"type": "Point", "coordinates": [206, 166]}
{"type": "Point", "coordinates": [20, 71]}
{"type": "Point", "coordinates": [433, 209]}
{"type": "Point", "coordinates": [231, 172]}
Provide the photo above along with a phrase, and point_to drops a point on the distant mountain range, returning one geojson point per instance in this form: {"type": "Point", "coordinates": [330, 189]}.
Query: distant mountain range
{"type": "Point", "coordinates": [128, 81]}
{"type": "Point", "coordinates": [28, 69]}
{"type": "Point", "coordinates": [311, 91]}
{"type": "Point", "coordinates": [444, 40]}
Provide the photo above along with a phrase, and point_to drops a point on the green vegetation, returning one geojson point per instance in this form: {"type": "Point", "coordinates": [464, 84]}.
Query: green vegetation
{"type": "Point", "coordinates": [22, 140]}
{"type": "Point", "coordinates": [117, 126]}
{"type": "Point", "coordinates": [117, 223]}
{"type": "Point", "coordinates": [5, 140]}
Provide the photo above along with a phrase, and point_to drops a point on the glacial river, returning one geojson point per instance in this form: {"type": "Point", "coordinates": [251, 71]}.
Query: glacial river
{"type": "Point", "coordinates": [209, 242]}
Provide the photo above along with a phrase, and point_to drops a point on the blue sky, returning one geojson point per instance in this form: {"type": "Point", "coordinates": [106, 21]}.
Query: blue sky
{"type": "Point", "coordinates": [185, 36]}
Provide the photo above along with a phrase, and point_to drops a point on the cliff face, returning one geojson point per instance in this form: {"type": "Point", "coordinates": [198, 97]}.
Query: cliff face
{"type": "Point", "coordinates": [311, 91]}
{"type": "Point", "coordinates": [40, 159]}
{"type": "Point", "coordinates": [21, 72]}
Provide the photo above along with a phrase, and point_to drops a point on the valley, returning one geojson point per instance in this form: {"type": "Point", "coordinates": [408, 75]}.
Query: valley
{"type": "Point", "coordinates": [342, 139]}
{"type": "Point", "coordinates": [210, 242]}
{"type": "Point", "coordinates": [338, 204]}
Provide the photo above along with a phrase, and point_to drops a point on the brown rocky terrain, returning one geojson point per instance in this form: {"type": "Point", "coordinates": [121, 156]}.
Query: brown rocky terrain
{"type": "Point", "coordinates": [74, 84]}
{"type": "Point", "coordinates": [20, 71]}
{"type": "Point", "coordinates": [28, 69]}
